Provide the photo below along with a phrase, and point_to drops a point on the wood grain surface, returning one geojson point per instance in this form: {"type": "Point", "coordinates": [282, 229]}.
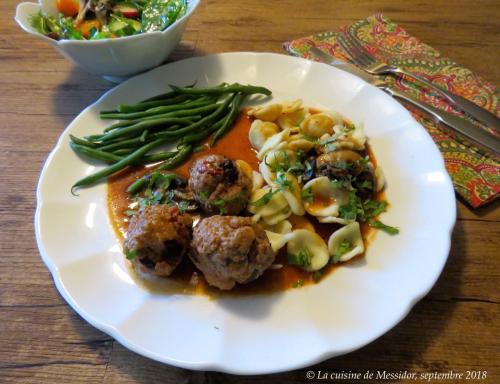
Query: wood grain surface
{"type": "Point", "coordinates": [42, 340]}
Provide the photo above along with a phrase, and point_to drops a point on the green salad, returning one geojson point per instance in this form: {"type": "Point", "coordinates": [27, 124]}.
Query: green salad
{"type": "Point", "coordinates": [103, 19]}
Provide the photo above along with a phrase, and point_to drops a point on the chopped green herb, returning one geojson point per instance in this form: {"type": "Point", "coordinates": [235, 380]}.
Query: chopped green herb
{"type": "Point", "coordinates": [341, 184]}
{"type": "Point", "coordinates": [204, 195]}
{"type": "Point", "coordinates": [364, 161]}
{"type": "Point", "coordinates": [130, 212]}
{"type": "Point", "coordinates": [283, 181]}
{"type": "Point", "coordinates": [317, 275]}
{"type": "Point", "coordinates": [299, 283]}
{"type": "Point", "coordinates": [131, 255]}
{"type": "Point", "coordinates": [307, 195]}
{"type": "Point", "coordinates": [349, 210]}
{"type": "Point", "coordinates": [183, 205]}
{"type": "Point", "coordinates": [301, 258]}
{"type": "Point", "coordinates": [266, 198]}
{"type": "Point", "coordinates": [344, 247]}
{"type": "Point", "coordinates": [386, 228]}
{"type": "Point", "coordinates": [361, 210]}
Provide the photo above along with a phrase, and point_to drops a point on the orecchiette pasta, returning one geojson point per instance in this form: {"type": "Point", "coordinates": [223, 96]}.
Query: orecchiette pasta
{"type": "Point", "coordinates": [317, 125]}
{"type": "Point", "coordinates": [260, 131]}
{"type": "Point", "coordinates": [312, 163]}
{"type": "Point", "coordinates": [273, 142]}
{"type": "Point", "coordinates": [310, 247]}
{"type": "Point", "coordinates": [346, 242]}
{"type": "Point", "coordinates": [325, 199]}
{"type": "Point", "coordinates": [267, 112]}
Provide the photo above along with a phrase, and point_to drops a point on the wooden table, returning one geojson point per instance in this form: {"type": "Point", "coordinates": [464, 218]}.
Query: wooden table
{"type": "Point", "coordinates": [42, 340]}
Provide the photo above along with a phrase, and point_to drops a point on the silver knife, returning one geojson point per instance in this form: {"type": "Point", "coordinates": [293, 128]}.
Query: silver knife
{"type": "Point", "coordinates": [459, 128]}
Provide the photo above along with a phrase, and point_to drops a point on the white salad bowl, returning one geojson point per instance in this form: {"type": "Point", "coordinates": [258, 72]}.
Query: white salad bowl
{"type": "Point", "coordinates": [120, 57]}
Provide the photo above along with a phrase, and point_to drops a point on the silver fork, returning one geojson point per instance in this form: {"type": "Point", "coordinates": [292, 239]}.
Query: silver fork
{"type": "Point", "coordinates": [361, 57]}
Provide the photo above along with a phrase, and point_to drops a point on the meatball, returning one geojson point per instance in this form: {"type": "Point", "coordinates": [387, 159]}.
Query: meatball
{"type": "Point", "coordinates": [230, 250]}
{"type": "Point", "coordinates": [219, 185]}
{"type": "Point", "coordinates": [157, 239]}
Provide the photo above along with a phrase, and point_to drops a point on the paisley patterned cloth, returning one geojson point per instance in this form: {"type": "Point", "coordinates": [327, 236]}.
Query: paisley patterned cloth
{"type": "Point", "coordinates": [475, 176]}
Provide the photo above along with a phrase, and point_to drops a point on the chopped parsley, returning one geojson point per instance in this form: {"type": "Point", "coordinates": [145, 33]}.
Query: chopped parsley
{"type": "Point", "coordinates": [307, 195]}
{"type": "Point", "coordinates": [386, 228]}
{"type": "Point", "coordinates": [341, 184]}
{"type": "Point", "coordinates": [344, 247]}
{"type": "Point", "coordinates": [299, 283]}
{"type": "Point", "coordinates": [302, 258]}
{"type": "Point", "coordinates": [222, 202]}
{"type": "Point", "coordinates": [283, 181]}
{"type": "Point", "coordinates": [317, 275]}
{"type": "Point", "coordinates": [266, 198]}
{"type": "Point", "coordinates": [131, 255]}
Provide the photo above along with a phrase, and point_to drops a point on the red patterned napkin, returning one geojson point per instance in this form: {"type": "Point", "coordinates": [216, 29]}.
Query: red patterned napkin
{"type": "Point", "coordinates": [476, 177]}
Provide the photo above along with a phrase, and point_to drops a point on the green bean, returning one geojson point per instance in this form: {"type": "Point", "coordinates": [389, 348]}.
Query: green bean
{"type": "Point", "coordinates": [198, 136]}
{"type": "Point", "coordinates": [144, 135]}
{"type": "Point", "coordinates": [142, 106]}
{"type": "Point", "coordinates": [182, 113]}
{"type": "Point", "coordinates": [136, 186]}
{"type": "Point", "coordinates": [233, 88]}
{"type": "Point", "coordinates": [129, 143]}
{"type": "Point", "coordinates": [95, 153]}
{"type": "Point", "coordinates": [205, 121]}
{"type": "Point", "coordinates": [123, 151]}
{"type": "Point", "coordinates": [157, 110]}
{"type": "Point", "coordinates": [180, 157]}
{"type": "Point", "coordinates": [231, 117]}
{"type": "Point", "coordinates": [139, 127]}
{"type": "Point", "coordinates": [83, 142]}
{"type": "Point", "coordinates": [167, 95]}
{"type": "Point", "coordinates": [155, 157]}
{"type": "Point", "coordinates": [118, 166]}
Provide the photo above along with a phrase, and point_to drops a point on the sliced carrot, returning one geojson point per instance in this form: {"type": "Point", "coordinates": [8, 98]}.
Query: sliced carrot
{"type": "Point", "coordinates": [68, 7]}
{"type": "Point", "coordinates": [86, 26]}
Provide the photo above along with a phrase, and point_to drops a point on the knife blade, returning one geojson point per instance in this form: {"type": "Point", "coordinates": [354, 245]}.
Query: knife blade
{"type": "Point", "coordinates": [460, 129]}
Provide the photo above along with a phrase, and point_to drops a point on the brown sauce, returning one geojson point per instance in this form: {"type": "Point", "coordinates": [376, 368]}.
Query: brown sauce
{"type": "Point", "coordinates": [186, 278]}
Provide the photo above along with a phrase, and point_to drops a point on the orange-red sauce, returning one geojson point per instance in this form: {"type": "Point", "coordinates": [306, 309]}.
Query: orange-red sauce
{"type": "Point", "coordinates": [186, 278]}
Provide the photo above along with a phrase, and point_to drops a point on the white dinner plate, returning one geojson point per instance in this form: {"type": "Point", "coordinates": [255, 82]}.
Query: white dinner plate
{"type": "Point", "coordinates": [351, 307]}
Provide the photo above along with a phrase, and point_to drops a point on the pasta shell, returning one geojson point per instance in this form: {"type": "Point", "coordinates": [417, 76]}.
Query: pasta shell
{"type": "Point", "coordinates": [282, 227]}
{"type": "Point", "coordinates": [260, 131]}
{"type": "Point", "coordinates": [280, 157]}
{"type": "Point", "coordinates": [292, 120]}
{"type": "Point", "coordinates": [273, 142]}
{"type": "Point", "coordinates": [350, 138]}
{"type": "Point", "coordinates": [267, 174]}
{"type": "Point", "coordinates": [318, 124]}
{"type": "Point", "coordinates": [299, 143]}
{"type": "Point", "coordinates": [257, 181]}
{"type": "Point", "coordinates": [293, 195]}
{"type": "Point", "coordinates": [333, 219]}
{"type": "Point", "coordinates": [276, 218]}
{"type": "Point", "coordinates": [268, 112]}
{"type": "Point", "coordinates": [277, 240]}
{"type": "Point", "coordinates": [245, 168]}
{"type": "Point", "coordinates": [326, 198]}
{"type": "Point", "coordinates": [291, 106]}
{"type": "Point", "coordinates": [380, 178]}
{"type": "Point", "coordinates": [350, 234]}
{"type": "Point", "coordinates": [274, 206]}
{"type": "Point", "coordinates": [310, 243]}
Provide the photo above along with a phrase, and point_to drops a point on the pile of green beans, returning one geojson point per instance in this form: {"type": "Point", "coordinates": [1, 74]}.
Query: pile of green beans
{"type": "Point", "coordinates": [185, 115]}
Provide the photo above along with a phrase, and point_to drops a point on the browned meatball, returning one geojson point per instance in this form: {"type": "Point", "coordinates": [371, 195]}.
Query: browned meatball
{"type": "Point", "coordinates": [219, 185]}
{"type": "Point", "coordinates": [230, 250]}
{"type": "Point", "coordinates": [157, 239]}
